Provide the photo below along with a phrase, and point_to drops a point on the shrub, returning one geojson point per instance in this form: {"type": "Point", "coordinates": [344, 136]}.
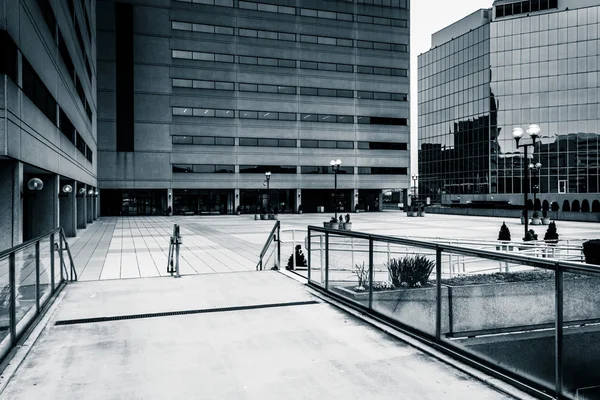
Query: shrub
{"type": "Point", "coordinates": [362, 273]}
{"type": "Point", "coordinates": [591, 250]}
{"type": "Point", "coordinates": [347, 218]}
{"type": "Point", "coordinates": [504, 233]}
{"type": "Point", "coordinates": [333, 220]}
{"type": "Point", "coordinates": [535, 215]}
{"type": "Point", "coordinates": [300, 259]}
{"type": "Point", "coordinates": [530, 235]}
{"type": "Point", "coordinates": [410, 271]}
{"type": "Point", "coordinates": [555, 206]}
{"type": "Point", "coordinates": [551, 234]}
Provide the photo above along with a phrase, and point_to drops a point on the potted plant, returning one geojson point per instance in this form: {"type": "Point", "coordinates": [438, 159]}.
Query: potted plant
{"type": "Point", "coordinates": [169, 211]}
{"type": "Point", "coordinates": [415, 212]}
{"type": "Point", "coordinates": [535, 219]}
{"type": "Point", "coordinates": [300, 259]}
{"type": "Point", "coordinates": [275, 214]}
{"type": "Point", "coordinates": [421, 210]}
{"type": "Point", "coordinates": [356, 210]}
{"type": "Point", "coordinates": [263, 213]}
{"type": "Point", "coordinates": [333, 223]}
{"type": "Point", "coordinates": [300, 209]}
{"type": "Point", "coordinates": [341, 223]}
{"type": "Point", "coordinates": [591, 251]}
{"type": "Point", "coordinates": [530, 235]}
{"type": "Point", "coordinates": [238, 210]}
{"type": "Point", "coordinates": [545, 219]}
{"type": "Point", "coordinates": [504, 236]}
{"type": "Point", "coordinates": [348, 224]}
{"type": "Point", "coordinates": [551, 236]}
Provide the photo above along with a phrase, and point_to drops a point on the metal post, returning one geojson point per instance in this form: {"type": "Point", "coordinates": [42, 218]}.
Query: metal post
{"type": "Point", "coordinates": [13, 298]}
{"type": "Point", "coordinates": [278, 239]}
{"type": "Point", "coordinates": [309, 256]}
{"type": "Point", "coordinates": [526, 188]}
{"type": "Point", "coordinates": [62, 261]}
{"type": "Point", "coordinates": [438, 280]}
{"type": "Point", "coordinates": [558, 340]}
{"type": "Point", "coordinates": [335, 193]}
{"type": "Point", "coordinates": [326, 261]}
{"type": "Point", "coordinates": [294, 248]}
{"type": "Point", "coordinates": [321, 247]}
{"type": "Point", "coordinates": [37, 277]}
{"type": "Point", "coordinates": [371, 273]}
{"type": "Point", "coordinates": [52, 266]}
{"type": "Point", "coordinates": [177, 243]}
{"type": "Point", "coordinates": [352, 250]}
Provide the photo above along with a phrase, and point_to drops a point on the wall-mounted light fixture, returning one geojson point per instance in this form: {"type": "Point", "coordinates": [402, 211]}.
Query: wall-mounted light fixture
{"type": "Point", "coordinates": [81, 192]}
{"type": "Point", "coordinates": [299, 193]}
{"type": "Point", "coordinates": [65, 191]}
{"type": "Point", "coordinates": [96, 193]}
{"type": "Point", "coordinates": [90, 192]}
{"type": "Point", "coordinates": [35, 184]}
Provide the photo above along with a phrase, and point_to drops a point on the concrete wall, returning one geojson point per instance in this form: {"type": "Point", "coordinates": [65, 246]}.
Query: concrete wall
{"type": "Point", "coordinates": [11, 203]}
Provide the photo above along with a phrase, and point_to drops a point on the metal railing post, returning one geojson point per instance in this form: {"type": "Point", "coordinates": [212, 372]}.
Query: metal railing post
{"type": "Point", "coordinates": [37, 277]}
{"type": "Point", "coordinates": [52, 266]}
{"type": "Point", "coordinates": [293, 248]}
{"type": "Point", "coordinates": [558, 340]}
{"type": "Point", "coordinates": [352, 251]}
{"type": "Point", "coordinates": [279, 247]}
{"type": "Point", "coordinates": [371, 272]}
{"type": "Point", "coordinates": [438, 283]}
{"type": "Point", "coordinates": [62, 258]}
{"type": "Point", "coordinates": [13, 298]}
{"type": "Point", "coordinates": [309, 255]}
{"type": "Point", "coordinates": [326, 261]}
{"type": "Point", "coordinates": [321, 247]}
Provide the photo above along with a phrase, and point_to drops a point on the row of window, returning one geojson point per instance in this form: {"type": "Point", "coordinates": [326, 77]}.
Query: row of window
{"type": "Point", "coordinates": [282, 169]}
{"type": "Point", "coordinates": [284, 116]}
{"type": "Point", "coordinates": [286, 63]}
{"type": "Point", "coordinates": [280, 89]}
{"type": "Point", "coordinates": [64, 52]}
{"type": "Point", "coordinates": [286, 10]}
{"type": "Point", "coordinates": [270, 142]}
{"type": "Point", "coordinates": [290, 37]}
{"type": "Point", "coordinates": [524, 7]}
{"type": "Point", "coordinates": [38, 93]}
{"type": "Point", "coordinates": [78, 31]}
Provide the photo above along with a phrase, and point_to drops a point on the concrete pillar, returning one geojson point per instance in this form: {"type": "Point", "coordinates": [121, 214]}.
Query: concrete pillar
{"type": "Point", "coordinates": [98, 205]}
{"type": "Point", "coordinates": [68, 209]}
{"type": "Point", "coordinates": [380, 201]}
{"type": "Point", "coordinates": [11, 203]}
{"type": "Point", "coordinates": [354, 200]}
{"type": "Point", "coordinates": [170, 200]}
{"type": "Point", "coordinates": [40, 207]}
{"type": "Point", "coordinates": [94, 205]}
{"type": "Point", "coordinates": [236, 200]}
{"type": "Point", "coordinates": [81, 208]}
{"type": "Point", "coordinates": [88, 204]}
{"type": "Point", "coordinates": [298, 197]}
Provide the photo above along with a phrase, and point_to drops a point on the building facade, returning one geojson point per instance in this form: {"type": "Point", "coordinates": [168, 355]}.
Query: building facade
{"type": "Point", "coordinates": [538, 64]}
{"type": "Point", "coordinates": [199, 99]}
{"type": "Point", "coordinates": [47, 118]}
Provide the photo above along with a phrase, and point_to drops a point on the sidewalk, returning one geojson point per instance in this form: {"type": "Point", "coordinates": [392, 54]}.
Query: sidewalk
{"type": "Point", "coordinates": [310, 350]}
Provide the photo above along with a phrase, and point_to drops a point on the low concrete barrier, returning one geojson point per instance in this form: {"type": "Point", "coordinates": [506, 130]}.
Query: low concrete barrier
{"type": "Point", "coordinates": [554, 215]}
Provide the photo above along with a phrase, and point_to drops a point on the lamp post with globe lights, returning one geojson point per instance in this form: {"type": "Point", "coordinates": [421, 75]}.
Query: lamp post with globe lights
{"type": "Point", "coordinates": [534, 132]}
{"type": "Point", "coordinates": [335, 165]}
{"type": "Point", "coordinates": [267, 180]}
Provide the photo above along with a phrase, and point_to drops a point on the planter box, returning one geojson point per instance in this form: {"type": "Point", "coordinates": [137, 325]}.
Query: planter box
{"type": "Point", "coordinates": [494, 307]}
{"type": "Point", "coordinates": [263, 216]}
{"type": "Point", "coordinates": [348, 226]}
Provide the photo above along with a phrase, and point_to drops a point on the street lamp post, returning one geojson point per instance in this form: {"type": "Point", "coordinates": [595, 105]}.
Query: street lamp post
{"type": "Point", "coordinates": [535, 169]}
{"type": "Point", "coordinates": [267, 179]}
{"type": "Point", "coordinates": [335, 165]}
{"type": "Point", "coordinates": [534, 132]}
{"type": "Point", "coordinates": [415, 178]}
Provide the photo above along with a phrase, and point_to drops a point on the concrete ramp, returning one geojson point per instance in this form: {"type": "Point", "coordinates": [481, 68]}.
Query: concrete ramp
{"type": "Point", "coordinates": [246, 335]}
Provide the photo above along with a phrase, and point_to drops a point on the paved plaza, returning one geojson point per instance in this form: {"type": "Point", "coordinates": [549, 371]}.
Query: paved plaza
{"type": "Point", "coordinates": [135, 247]}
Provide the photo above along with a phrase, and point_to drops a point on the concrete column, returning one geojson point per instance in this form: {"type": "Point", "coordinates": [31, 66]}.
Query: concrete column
{"type": "Point", "coordinates": [380, 201]}
{"type": "Point", "coordinates": [236, 200]}
{"type": "Point", "coordinates": [354, 200]}
{"type": "Point", "coordinates": [11, 203]}
{"type": "Point", "coordinates": [81, 208]}
{"type": "Point", "coordinates": [298, 199]}
{"type": "Point", "coordinates": [170, 200]}
{"type": "Point", "coordinates": [98, 205]}
{"type": "Point", "coordinates": [94, 205]}
{"type": "Point", "coordinates": [68, 209]}
{"type": "Point", "coordinates": [40, 207]}
{"type": "Point", "coordinates": [88, 204]}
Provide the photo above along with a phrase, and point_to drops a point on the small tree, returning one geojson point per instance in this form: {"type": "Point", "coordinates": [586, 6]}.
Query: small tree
{"type": "Point", "coordinates": [504, 233]}
{"type": "Point", "coordinates": [591, 250]}
{"type": "Point", "coordinates": [530, 235]}
{"type": "Point", "coordinates": [551, 235]}
{"type": "Point", "coordinates": [300, 259]}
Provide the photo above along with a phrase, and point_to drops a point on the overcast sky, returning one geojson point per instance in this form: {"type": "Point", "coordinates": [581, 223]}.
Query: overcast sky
{"type": "Point", "coordinates": [427, 17]}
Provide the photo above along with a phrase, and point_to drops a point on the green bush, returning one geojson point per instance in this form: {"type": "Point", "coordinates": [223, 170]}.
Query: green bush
{"type": "Point", "coordinates": [300, 259]}
{"type": "Point", "coordinates": [410, 271]}
{"type": "Point", "coordinates": [504, 233]}
{"type": "Point", "coordinates": [591, 250]}
{"type": "Point", "coordinates": [551, 234]}
{"type": "Point", "coordinates": [530, 235]}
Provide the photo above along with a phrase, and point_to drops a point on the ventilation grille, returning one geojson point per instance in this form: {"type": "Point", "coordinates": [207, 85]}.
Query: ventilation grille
{"type": "Point", "coordinates": [185, 312]}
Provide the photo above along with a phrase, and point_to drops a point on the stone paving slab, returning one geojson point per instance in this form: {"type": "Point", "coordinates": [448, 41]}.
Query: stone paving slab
{"type": "Point", "coordinates": [300, 352]}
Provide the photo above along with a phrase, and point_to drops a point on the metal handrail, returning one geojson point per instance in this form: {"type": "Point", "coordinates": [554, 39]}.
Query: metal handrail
{"type": "Point", "coordinates": [272, 237]}
{"type": "Point", "coordinates": [323, 282]}
{"type": "Point", "coordinates": [56, 238]}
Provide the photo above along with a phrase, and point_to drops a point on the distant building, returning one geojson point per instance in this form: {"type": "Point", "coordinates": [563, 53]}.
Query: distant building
{"type": "Point", "coordinates": [47, 117]}
{"type": "Point", "coordinates": [198, 99]}
{"type": "Point", "coordinates": [518, 63]}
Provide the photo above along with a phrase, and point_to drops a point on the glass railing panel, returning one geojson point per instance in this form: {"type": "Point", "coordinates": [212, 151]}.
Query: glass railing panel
{"type": "Point", "coordinates": [57, 265]}
{"type": "Point", "coordinates": [25, 280]}
{"type": "Point", "coordinates": [4, 307]}
{"type": "Point", "coordinates": [348, 268]}
{"type": "Point", "coordinates": [44, 276]}
{"type": "Point", "coordinates": [581, 334]}
{"type": "Point", "coordinates": [404, 285]}
{"type": "Point", "coordinates": [317, 258]}
{"type": "Point", "coordinates": [503, 313]}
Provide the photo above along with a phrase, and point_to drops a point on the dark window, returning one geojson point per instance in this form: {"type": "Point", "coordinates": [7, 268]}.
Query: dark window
{"type": "Point", "coordinates": [309, 143]}
{"type": "Point", "coordinates": [382, 146]}
{"type": "Point", "coordinates": [388, 171]}
{"type": "Point", "coordinates": [204, 168]}
{"type": "Point", "coordinates": [309, 117]}
{"type": "Point", "coordinates": [309, 65]}
{"type": "Point", "coordinates": [345, 145]}
{"type": "Point", "coordinates": [124, 76]}
{"type": "Point", "coordinates": [65, 126]}
{"type": "Point", "coordinates": [327, 144]}
{"type": "Point", "coordinates": [224, 141]}
{"type": "Point", "coordinates": [287, 142]}
{"type": "Point", "coordinates": [224, 169]}
{"type": "Point", "coordinates": [287, 63]}
{"type": "Point", "coordinates": [364, 95]}
{"type": "Point", "coordinates": [267, 61]}
{"type": "Point", "coordinates": [268, 142]}
{"type": "Point", "coordinates": [364, 70]}
{"type": "Point", "coordinates": [261, 169]}
{"type": "Point", "coordinates": [286, 89]}
{"type": "Point", "coordinates": [89, 154]}
{"type": "Point", "coordinates": [48, 15]}
{"type": "Point", "coordinates": [399, 97]}
{"type": "Point", "coordinates": [184, 140]}
{"type": "Point", "coordinates": [287, 116]}
{"type": "Point", "coordinates": [344, 93]}
{"type": "Point", "coordinates": [399, 72]}
{"type": "Point", "coordinates": [327, 67]}
{"type": "Point", "coordinates": [80, 144]}
{"type": "Point", "coordinates": [327, 92]}
{"type": "Point", "coordinates": [248, 114]}
{"type": "Point", "coordinates": [344, 68]}
{"type": "Point", "coordinates": [177, 168]}
{"type": "Point", "coordinates": [499, 11]}
{"type": "Point", "coordinates": [382, 121]}
{"type": "Point", "coordinates": [8, 61]}
{"type": "Point", "coordinates": [34, 88]}
{"type": "Point", "coordinates": [248, 142]}
{"type": "Point", "coordinates": [71, 9]}
{"type": "Point", "coordinates": [309, 91]}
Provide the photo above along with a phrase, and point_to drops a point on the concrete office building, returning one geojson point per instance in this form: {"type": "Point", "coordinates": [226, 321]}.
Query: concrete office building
{"type": "Point", "coordinates": [519, 63]}
{"type": "Point", "coordinates": [47, 118]}
{"type": "Point", "coordinates": [198, 99]}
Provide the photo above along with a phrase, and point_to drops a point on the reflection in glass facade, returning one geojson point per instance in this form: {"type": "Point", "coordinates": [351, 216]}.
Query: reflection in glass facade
{"type": "Point", "coordinates": [539, 68]}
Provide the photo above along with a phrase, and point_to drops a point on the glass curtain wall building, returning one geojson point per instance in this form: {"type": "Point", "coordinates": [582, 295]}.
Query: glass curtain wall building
{"type": "Point", "coordinates": [199, 99]}
{"type": "Point", "coordinates": [542, 68]}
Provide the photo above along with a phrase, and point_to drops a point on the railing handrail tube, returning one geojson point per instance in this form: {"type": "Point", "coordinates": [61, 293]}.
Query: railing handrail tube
{"type": "Point", "coordinates": [28, 243]}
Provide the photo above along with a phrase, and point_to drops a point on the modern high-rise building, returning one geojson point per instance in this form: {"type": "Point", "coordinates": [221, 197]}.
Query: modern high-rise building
{"type": "Point", "coordinates": [197, 100]}
{"type": "Point", "coordinates": [516, 64]}
{"type": "Point", "coordinates": [47, 118]}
